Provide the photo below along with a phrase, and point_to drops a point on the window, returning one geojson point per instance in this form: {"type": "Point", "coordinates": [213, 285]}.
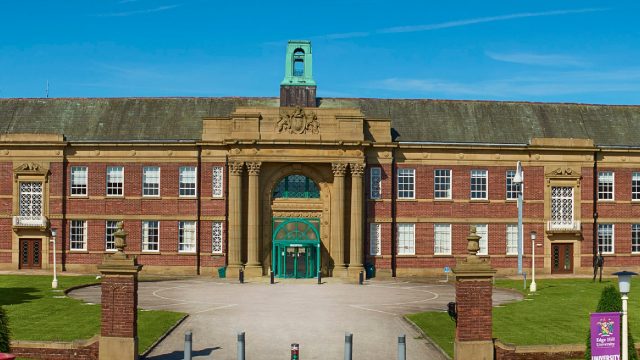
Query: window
{"type": "Point", "coordinates": [512, 188]}
{"type": "Point", "coordinates": [109, 239]}
{"type": "Point", "coordinates": [298, 62]}
{"type": "Point", "coordinates": [635, 186]}
{"type": "Point", "coordinates": [442, 239]}
{"type": "Point", "coordinates": [216, 237]}
{"type": "Point", "coordinates": [115, 180]}
{"type": "Point", "coordinates": [187, 236]}
{"type": "Point", "coordinates": [78, 180]}
{"type": "Point", "coordinates": [78, 235]}
{"type": "Point", "coordinates": [561, 207]}
{"type": "Point", "coordinates": [482, 231]}
{"type": "Point", "coordinates": [150, 181]}
{"type": "Point", "coordinates": [406, 239]}
{"type": "Point", "coordinates": [30, 201]}
{"type": "Point", "coordinates": [479, 184]}
{"type": "Point", "coordinates": [150, 236]}
{"type": "Point", "coordinates": [512, 239]}
{"type": "Point", "coordinates": [406, 183]}
{"type": "Point", "coordinates": [296, 187]}
{"type": "Point", "coordinates": [605, 238]}
{"type": "Point", "coordinates": [375, 235]}
{"type": "Point", "coordinates": [442, 184]}
{"type": "Point", "coordinates": [635, 238]}
{"type": "Point", "coordinates": [187, 181]}
{"type": "Point", "coordinates": [375, 178]}
{"type": "Point", "coordinates": [605, 185]}
{"type": "Point", "coordinates": [218, 182]}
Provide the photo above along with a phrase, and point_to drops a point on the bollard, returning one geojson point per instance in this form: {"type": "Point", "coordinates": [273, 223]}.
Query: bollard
{"type": "Point", "coordinates": [187, 345]}
{"type": "Point", "coordinates": [402, 347]}
{"type": "Point", "coordinates": [273, 280]}
{"type": "Point", "coordinates": [295, 351]}
{"type": "Point", "coordinates": [361, 278]}
{"type": "Point", "coordinates": [319, 278]}
{"type": "Point", "coordinates": [241, 276]}
{"type": "Point", "coordinates": [241, 346]}
{"type": "Point", "coordinates": [348, 346]}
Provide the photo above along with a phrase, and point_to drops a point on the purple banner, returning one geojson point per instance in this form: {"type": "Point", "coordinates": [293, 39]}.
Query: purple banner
{"type": "Point", "coordinates": [605, 336]}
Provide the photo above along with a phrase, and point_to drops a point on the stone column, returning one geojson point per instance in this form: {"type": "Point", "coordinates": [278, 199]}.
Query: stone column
{"type": "Point", "coordinates": [253, 267]}
{"type": "Point", "coordinates": [355, 241]}
{"type": "Point", "coordinates": [474, 278]}
{"type": "Point", "coordinates": [119, 325]}
{"type": "Point", "coordinates": [235, 219]}
{"type": "Point", "coordinates": [337, 220]}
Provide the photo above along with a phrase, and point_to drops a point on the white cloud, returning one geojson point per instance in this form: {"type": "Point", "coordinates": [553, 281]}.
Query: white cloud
{"type": "Point", "coordinates": [537, 59]}
{"type": "Point", "coordinates": [143, 11]}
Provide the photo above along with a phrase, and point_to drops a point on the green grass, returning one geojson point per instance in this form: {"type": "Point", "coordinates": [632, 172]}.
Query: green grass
{"type": "Point", "coordinates": [37, 312]}
{"type": "Point", "coordinates": [557, 314]}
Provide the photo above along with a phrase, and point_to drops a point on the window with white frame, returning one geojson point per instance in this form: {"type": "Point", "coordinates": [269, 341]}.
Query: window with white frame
{"type": "Point", "coordinates": [482, 230]}
{"type": "Point", "coordinates": [187, 181]}
{"type": "Point", "coordinates": [115, 180]}
{"type": "Point", "coordinates": [512, 188]}
{"type": "Point", "coordinates": [605, 185]}
{"type": "Point", "coordinates": [375, 179]}
{"type": "Point", "coordinates": [216, 237]}
{"type": "Point", "coordinates": [151, 236]}
{"type": "Point", "coordinates": [442, 239]}
{"type": "Point", "coordinates": [78, 235]}
{"type": "Point", "coordinates": [479, 184]}
{"type": "Point", "coordinates": [111, 226]}
{"type": "Point", "coordinates": [635, 238]}
{"type": "Point", "coordinates": [442, 184]}
{"type": "Point", "coordinates": [635, 186]}
{"type": "Point", "coordinates": [406, 239]}
{"type": "Point", "coordinates": [79, 180]}
{"type": "Point", "coordinates": [218, 182]}
{"type": "Point", "coordinates": [186, 236]}
{"type": "Point", "coordinates": [406, 183]}
{"type": "Point", "coordinates": [606, 238]}
{"type": "Point", "coordinates": [151, 181]}
{"type": "Point", "coordinates": [512, 239]}
{"type": "Point", "coordinates": [375, 238]}
{"type": "Point", "coordinates": [562, 207]}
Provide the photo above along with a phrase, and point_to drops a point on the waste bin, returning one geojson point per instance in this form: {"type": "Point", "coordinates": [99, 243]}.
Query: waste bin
{"type": "Point", "coordinates": [222, 272]}
{"type": "Point", "coordinates": [370, 270]}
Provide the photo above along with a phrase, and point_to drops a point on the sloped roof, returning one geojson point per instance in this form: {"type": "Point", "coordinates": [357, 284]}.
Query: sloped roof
{"type": "Point", "coordinates": [171, 119]}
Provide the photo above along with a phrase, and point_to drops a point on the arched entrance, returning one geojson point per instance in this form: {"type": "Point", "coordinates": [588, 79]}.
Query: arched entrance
{"type": "Point", "coordinates": [296, 248]}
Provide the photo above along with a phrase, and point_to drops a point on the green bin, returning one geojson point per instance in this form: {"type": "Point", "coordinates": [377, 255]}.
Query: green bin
{"type": "Point", "coordinates": [370, 270]}
{"type": "Point", "coordinates": [222, 272]}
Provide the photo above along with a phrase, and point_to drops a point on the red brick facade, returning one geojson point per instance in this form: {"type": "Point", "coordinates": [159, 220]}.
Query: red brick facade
{"type": "Point", "coordinates": [473, 299]}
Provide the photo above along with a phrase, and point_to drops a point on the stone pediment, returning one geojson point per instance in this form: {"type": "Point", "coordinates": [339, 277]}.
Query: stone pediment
{"type": "Point", "coordinates": [30, 168]}
{"type": "Point", "coordinates": [562, 172]}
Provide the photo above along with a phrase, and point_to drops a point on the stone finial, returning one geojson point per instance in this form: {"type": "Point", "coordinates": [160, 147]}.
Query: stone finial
{"type": "Point", "coordinates": [120, 240]}
{"type": "Point", "coordinates": [473, 246]}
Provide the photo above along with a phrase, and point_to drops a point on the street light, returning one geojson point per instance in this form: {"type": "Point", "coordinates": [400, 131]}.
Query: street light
{"type": "Point", "coordinates": [54, 283]}
{"type": "Point", "coordinates": [624, 283]}
{"type": "Point", "coordinates": [518, 179]}
{"type": "Point", "coordinates": [533, 287]}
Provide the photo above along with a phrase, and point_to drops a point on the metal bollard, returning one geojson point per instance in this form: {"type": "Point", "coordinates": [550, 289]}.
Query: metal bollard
{"type": "Point", "coordinates": [273, 278]}
{"type": "Point", "coordinates": [241, 276]}
{"type": "Point", "coordinates": [402, 347]}
{"type": "Point", "coordinates": [187, 345]}
{"type": "Point", "coordinates": [348, 346]}
{"type": "Point", "coordinates": [241, 346]}
{"type": "Point", "coordinates": [319, 278]}
{"type": "Point", "coordinates": [361, 278]}
{"type": "Point", "coordinates": [295, 351]}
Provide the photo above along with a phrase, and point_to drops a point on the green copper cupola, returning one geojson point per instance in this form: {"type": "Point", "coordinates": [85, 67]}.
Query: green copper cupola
{"type": "Point", "coordinates": [298, 87]}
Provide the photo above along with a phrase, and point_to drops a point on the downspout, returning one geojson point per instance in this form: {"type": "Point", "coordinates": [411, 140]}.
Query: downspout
{"type": "Point", "coordinates": [595, 205]}
{"type": "Point", "coordinates": [63, 231]}
{"type": "Point", "coordinates": [393, 212]}
{"type": "Point", "coordinates": [198, 206]}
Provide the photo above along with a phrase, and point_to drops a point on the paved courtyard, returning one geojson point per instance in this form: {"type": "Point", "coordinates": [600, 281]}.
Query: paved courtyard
{"type": "Point", "coordinates": [297, 311]}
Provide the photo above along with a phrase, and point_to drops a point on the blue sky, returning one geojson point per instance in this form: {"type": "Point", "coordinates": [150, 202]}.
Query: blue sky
{"type": "Point", "coordinates": [559, 51]}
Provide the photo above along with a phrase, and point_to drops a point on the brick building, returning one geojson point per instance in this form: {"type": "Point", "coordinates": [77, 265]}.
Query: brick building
{"type": "Point", "coordinates": [300, 184]}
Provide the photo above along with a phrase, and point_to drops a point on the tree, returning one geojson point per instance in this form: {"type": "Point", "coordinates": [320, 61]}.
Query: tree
{"type": "Point", "coordinates": [610, 301]}
{"type": "Point", "coordinates": [5, 338]}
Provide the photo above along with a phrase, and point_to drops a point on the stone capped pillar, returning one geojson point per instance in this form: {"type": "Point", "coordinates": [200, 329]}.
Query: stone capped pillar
{"type": "Point", "coordinates": [474, 289]}
{"type": "Point", "coordinates": [337, 219]}
{"type": "Point", "coordinates": [355, 240]}
{"type": "Point", "coordinates": [253, 267]}
{"type": "Point", "coordinates": [235, 219]}
{"type": "Point", "coordinates": [119, 325]}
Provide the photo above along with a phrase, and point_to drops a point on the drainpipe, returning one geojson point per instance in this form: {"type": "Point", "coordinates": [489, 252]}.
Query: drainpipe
{"type": "Point", "coordinates": [595, 205]}
{"type": "Point", "coordinates": [198, 210]}
{"type": "Point", "coordinates": [63, 231]}
{"type": "Point", "coordinates": [393, 212]}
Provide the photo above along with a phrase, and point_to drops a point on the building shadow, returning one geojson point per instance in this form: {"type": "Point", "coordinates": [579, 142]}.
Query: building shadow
{"type": "Point", "coordinates": [179, 355]}
{"type": "Point", "coordinates": [18, 295]}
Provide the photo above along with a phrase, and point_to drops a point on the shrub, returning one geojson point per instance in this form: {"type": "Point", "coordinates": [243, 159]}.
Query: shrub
{"type": "Point", "coordinates": [4, 332]}
{"type": "Point", "coordinates": [610, 302]}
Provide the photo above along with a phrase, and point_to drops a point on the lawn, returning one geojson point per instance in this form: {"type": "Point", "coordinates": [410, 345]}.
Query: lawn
{"type": "Point", "coordinates": [37, 312]}
{"type": "Point", "coordinates": [557, 314]}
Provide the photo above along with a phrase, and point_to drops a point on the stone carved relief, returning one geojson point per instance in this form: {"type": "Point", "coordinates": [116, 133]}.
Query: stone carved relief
{"type": "Point", "coordinates": [297, 121]}
{"type": "Point", "coordinates": [254, 167]}
{"type": "Point", "coordinates": [298, 214]}
{"type": "Point", "coordinates": [235, 168]}
{"type": "Point", "coordinates": [338, 169]}
{"type": "Point", "coordinates": [560, 171]}
{"type": "Point", "coordinates": [30, 167]}
{"type": "Point", "coordinates": [356, 169]}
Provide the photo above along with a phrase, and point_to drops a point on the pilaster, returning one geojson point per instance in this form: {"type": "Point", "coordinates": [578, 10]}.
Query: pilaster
{"type": "Point", "coordinates": [337, 219]}
{"type": "Point", "coordinates": [235, 218]}
{"type": "Point", "coordinates": [355, 239]}
{"type": "Point", "coordinates": [253, 267]}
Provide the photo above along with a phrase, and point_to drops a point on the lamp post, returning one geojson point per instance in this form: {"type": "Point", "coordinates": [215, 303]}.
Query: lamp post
{"type": "Point", "coordinates": [533, 287]}
{"type": "Point", "coordinates": [54, 283]}
{"type": "Point", "coordinates": [518, 179]}
{"type": "Point", "coordinates": [624, 283]}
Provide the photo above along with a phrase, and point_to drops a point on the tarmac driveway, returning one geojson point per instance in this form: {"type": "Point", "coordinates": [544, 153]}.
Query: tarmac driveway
{"type": "Point", "coordinates": [299, 311]}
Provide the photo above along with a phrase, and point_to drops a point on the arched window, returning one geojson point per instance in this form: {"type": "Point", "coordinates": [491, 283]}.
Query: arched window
{"type": "Point", "coordinates": [296, 186]}
{"type": "Point", "coordinates": [298, 62]}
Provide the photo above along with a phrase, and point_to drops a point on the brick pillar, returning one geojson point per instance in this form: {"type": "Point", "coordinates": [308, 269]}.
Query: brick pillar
{"type": "Point", "coordinates": [119, 326]}
{"type": "Point", "coordinates": [474, 277]}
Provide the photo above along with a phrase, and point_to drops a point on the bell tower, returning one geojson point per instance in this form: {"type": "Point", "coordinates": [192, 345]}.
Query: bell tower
{"type": "Point", "coordinates": [298, 87]}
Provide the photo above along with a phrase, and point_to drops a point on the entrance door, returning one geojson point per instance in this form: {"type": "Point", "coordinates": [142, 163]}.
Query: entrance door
{"type": "Point", "coordinates": [300, 262]}
{"type": "Point", "coordinates": [562, 258]}
{"type": "Point", "coordinates": [296, 248]}
{"type": "Point", "coordinates": [30, 254]}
